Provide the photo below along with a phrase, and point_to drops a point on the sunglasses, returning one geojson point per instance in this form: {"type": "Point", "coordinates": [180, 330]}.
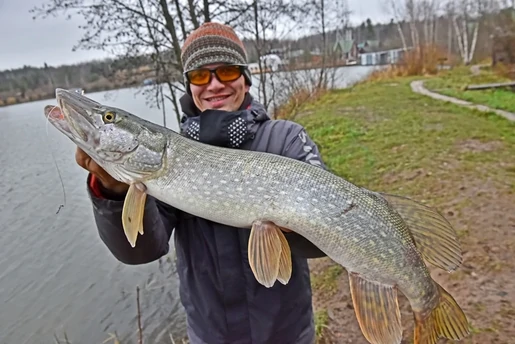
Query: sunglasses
{"type": "Point", "coordinates": [225, 73]}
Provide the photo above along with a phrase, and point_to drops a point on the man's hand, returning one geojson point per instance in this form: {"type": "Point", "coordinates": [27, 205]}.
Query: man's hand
{"type": "Point", "coordinates": [105, 179]}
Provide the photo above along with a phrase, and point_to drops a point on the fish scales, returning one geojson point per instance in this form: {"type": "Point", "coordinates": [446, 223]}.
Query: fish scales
{"type": "Point", "coordinates": [235, 188]}
{"type": "Point", "coordinates": [380, 239]}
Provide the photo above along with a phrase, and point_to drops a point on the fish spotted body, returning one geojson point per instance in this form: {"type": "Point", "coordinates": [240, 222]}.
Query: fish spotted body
{"type": "Point", "coordinates": [380, 239]}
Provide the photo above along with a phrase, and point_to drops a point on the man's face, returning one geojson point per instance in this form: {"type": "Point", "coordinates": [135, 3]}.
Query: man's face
{"type": "Point", "coordinates": [218, 95]}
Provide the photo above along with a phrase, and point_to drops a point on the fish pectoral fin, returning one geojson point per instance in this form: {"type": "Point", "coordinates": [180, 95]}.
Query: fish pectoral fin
{"type": "Point", "coordinates": [434, 236]}
{"type": "Point", "coordinates": [269, 254]}
{"type": "Point", "coordinates": [132, 213]}
{"type": "Point", "coordinates": [377, 310]}
{"type": "Point", "coordinates": [285, 268]}
{"type": "Point", "coordinates": [445, 320]}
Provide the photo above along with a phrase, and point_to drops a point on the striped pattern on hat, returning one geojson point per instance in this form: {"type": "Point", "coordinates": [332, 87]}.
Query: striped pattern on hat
{"type": "Point", "coordinates": [212, 43]}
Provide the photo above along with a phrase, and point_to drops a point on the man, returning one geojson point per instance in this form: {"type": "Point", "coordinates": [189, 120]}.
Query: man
{"type": "Point", "coordinates": [223, 301]}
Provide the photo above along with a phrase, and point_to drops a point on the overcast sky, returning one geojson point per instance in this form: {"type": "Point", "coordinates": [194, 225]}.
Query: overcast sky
{"type": "Point", "coordinates": [24, 41]}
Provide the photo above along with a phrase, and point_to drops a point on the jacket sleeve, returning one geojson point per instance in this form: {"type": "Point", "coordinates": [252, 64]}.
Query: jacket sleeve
{"type": "Point", "coordinates": [158, 222]}
{"type": "Point", "coordinates": [299, 146]}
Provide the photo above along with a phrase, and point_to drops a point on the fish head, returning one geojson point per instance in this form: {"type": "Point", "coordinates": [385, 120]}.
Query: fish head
{"type": "Point", "coordinates": [128, 147]}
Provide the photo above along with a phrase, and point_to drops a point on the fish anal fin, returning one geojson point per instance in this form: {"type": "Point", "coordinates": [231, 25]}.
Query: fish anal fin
{"type": "Point", "coordinates": [446, 320]}
{"type": "Point", "coordinates": [377, 310]}
{"type": "Point", "coordinates": [133, 212]}
{"type": "Point", "coordinates": [434, 236]}
{"type": "Point", "coordinates": [285, 268]}
{"type": "Point", "coordinates": [265, 251]}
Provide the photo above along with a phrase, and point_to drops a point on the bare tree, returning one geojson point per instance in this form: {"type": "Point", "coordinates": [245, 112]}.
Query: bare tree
{"type": "Point", "coordinates": [129, 29]}
{"type": "Point", "coordinates": [469, 17]}
{"type": "Point", "coordinates": [398, 16]}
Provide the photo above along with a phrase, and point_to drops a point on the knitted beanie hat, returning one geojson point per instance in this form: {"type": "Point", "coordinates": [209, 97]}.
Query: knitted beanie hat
{"type": "Point", "coordinates": [213, 43]}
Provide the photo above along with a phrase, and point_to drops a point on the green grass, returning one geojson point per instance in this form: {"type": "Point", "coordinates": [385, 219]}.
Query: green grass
{"type": "Point", "coordinates": [384, 137]}
{"type": "Point", "coordinates": [326, 280]}
{"type": "Point", "coordinates": [321, 321]}
{"type": "Point", "coordinates": [381, 135]}
{"type": "Point", "coordinates": [453, 84]}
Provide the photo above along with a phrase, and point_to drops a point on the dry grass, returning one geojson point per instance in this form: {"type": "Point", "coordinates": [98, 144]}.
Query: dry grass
{"type": "Point", "coordinates": [297, 101]}
{"type": "Point", "coordinates": [423, 60]}
{"type": "Point", "coordinates": [505, 70]}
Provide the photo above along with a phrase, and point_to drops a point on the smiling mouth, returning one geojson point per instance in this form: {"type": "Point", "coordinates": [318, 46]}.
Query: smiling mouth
{"type": "Point", "coordinates": [217, 98]}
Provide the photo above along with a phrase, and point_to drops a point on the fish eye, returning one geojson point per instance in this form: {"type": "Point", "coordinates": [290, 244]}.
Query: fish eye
{"type": "Point", "coordinates": [108, 117]}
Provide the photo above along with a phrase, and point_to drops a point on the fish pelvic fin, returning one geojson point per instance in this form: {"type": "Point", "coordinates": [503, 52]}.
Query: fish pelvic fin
{"type": "Point", "coordinates": [269, 254]}
{"type": "Point", "coordinates": [447, 320]}
{"type": "Point", "coordinates": [285, 265]}
{"type": "Point", "coordinates": [434, 236]}
{"type": "Point", "coordinates": [133, 212]}
{"type": "Point", "coordinates": [377, 310]}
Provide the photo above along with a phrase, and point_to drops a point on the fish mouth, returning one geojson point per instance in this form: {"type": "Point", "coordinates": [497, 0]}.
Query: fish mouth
{"type": "Point", "coordinates": [78, 112]}
{"type": "Point", "coordinates": [54, 114]}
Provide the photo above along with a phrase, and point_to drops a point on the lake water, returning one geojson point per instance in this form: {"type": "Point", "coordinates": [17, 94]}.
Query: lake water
{"type": "Point", "coordinates": [56, 277]}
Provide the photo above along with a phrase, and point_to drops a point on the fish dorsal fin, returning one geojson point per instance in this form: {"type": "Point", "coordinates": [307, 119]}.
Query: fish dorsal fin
{"type": "Point", "coordinates": [377, 310]}
{"type": "Point", "coordinates": [269, 254]}
{"type": "Point", "coordinates": [433, 234]}
{"type": "Point", "coordinates": [133, 212]}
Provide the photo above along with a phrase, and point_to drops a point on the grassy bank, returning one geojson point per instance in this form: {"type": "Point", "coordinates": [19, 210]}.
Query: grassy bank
{"type": "Point", "coordinates": [382, 136]}
{"type": "Point", "coordinates": [453, 84]}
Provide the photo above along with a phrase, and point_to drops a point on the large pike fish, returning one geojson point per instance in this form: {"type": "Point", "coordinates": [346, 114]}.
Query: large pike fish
{"type": "Point", "coordinates": [382, 240]}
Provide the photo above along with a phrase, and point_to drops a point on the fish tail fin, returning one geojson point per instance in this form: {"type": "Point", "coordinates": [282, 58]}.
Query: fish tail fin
{"type": "Point", "coordinates": [447, 320]}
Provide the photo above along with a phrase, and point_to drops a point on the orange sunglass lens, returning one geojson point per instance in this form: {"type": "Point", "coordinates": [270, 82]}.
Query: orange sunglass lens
{"type": "Point", "coordinates": [229, 73]}
{"type": "Point", "coordinates": [200, 76]}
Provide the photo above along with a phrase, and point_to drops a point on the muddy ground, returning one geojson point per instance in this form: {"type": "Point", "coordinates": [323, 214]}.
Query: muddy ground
{"type": "Point", "coordinates": [484, 285]}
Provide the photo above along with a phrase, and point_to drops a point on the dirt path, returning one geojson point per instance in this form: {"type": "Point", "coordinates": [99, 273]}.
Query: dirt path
{"type": "Point", "coordinates": [418, 87]}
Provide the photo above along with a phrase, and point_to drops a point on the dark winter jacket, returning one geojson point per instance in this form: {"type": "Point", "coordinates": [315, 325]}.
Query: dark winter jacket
{"type": "Point", "coordinates": [223, 301]}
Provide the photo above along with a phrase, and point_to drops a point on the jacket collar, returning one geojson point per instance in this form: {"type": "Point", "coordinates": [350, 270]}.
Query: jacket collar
{"type": "Point", "coordinates": [222, 128]}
